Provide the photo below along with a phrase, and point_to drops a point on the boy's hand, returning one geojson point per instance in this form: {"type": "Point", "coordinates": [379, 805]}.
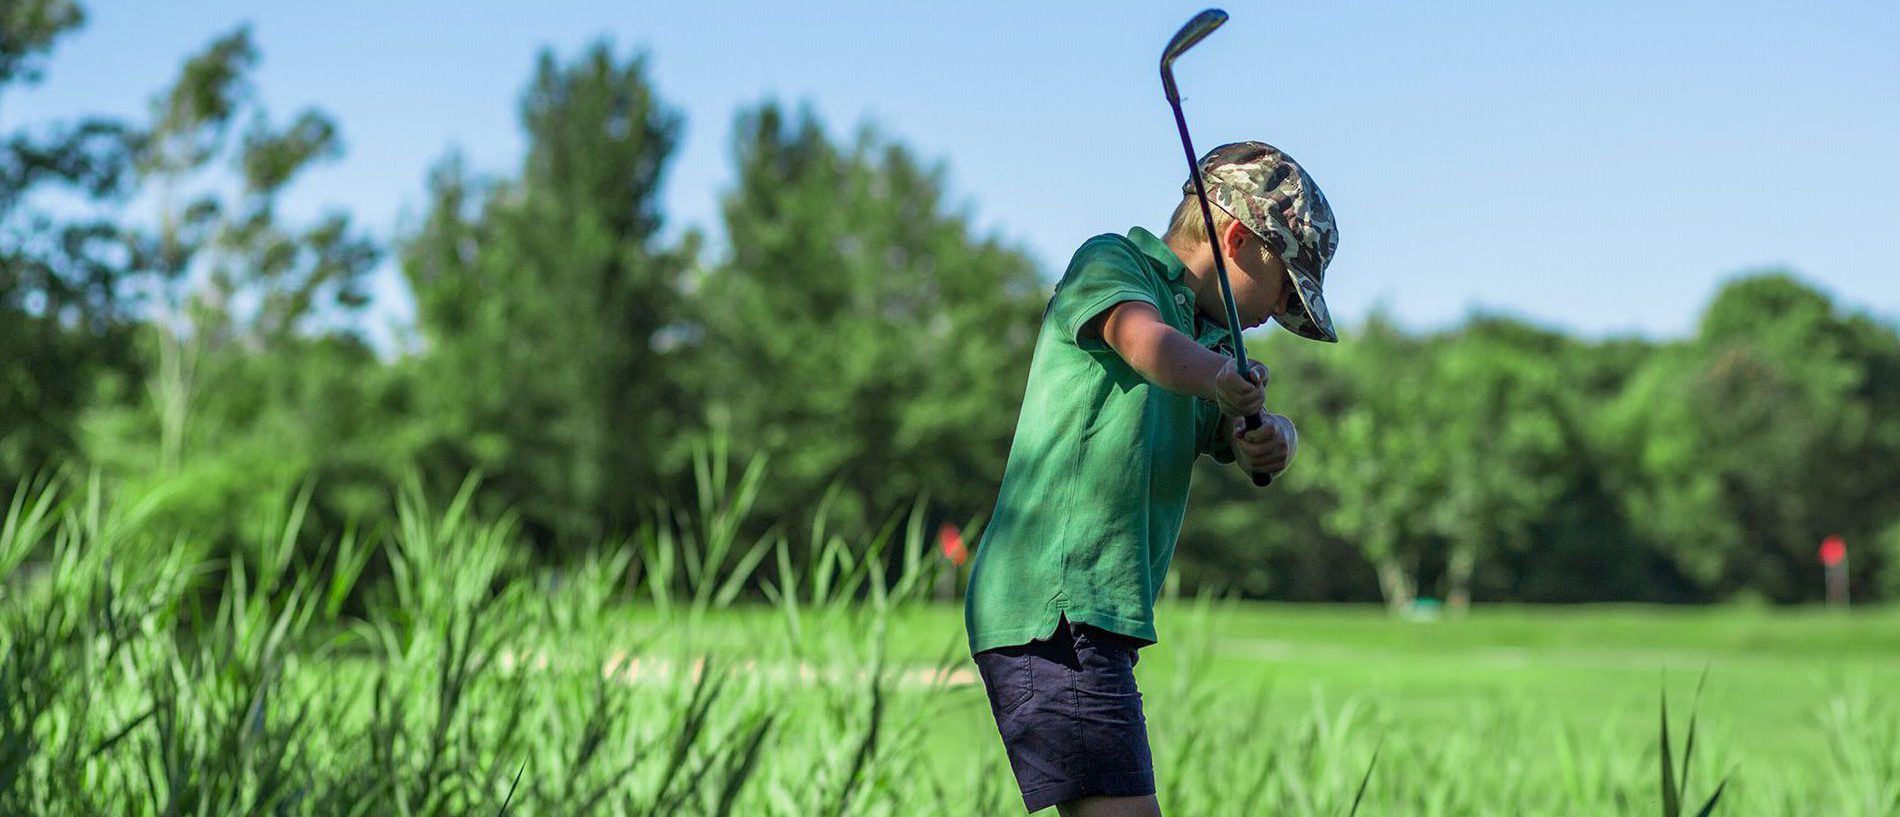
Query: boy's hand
{"type": "Point", "coordinates": [1267, 449]}
{"type": "Point", "coordinates": [1236, 395]}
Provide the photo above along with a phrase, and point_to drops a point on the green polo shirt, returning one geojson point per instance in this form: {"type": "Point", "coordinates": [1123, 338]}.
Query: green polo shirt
{"type": "Point", "coordinates": [1097, 480]}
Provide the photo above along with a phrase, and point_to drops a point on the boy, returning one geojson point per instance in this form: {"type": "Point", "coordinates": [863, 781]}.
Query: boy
{"type": "Point", "coordinates": [1130, 382]}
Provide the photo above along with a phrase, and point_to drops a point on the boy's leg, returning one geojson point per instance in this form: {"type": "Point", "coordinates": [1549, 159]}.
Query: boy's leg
{"type": "Point", "coordinates": [1070, 719]}
{"type": "Point", "coordinates": [1111, 807]}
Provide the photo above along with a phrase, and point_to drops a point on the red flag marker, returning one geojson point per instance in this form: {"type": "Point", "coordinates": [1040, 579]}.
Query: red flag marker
{"type": "Point", "coordinates": [1833, 550]}
{"type": "Point", "coordinates": [951, 541]}
{"type": "Point", "coordinates": [1834, 563]}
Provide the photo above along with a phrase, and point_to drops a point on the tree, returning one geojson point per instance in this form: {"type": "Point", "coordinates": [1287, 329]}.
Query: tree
{"type": "Point", "coordinates": [251, 379]}
{"type": "Point", "coordinates": [31, 27]}
{"type": "Point", "coordinates": [1375, 458]}
{"type": "Point", "coordinates": [64, 314]}
{"type": "Point", "coordinates": [1748, 445]}
{"type": "Point", "coordinates": [860, 331]}
{"type": "Point", "coordinates": [1496, 411]}
{"type": "Point", "coordinates": [547, 304]}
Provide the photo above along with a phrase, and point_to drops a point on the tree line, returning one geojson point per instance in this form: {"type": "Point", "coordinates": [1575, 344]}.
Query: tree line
{"type": "Point", "coordinates": [165, 326]}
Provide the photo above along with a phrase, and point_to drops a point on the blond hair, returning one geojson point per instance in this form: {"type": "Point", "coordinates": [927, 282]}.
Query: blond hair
{"type": "Point", "coordinates": [1187, 228]}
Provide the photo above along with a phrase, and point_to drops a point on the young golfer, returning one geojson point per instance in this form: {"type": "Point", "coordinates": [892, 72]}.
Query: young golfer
{"type": "Point", "coordinates": [1132, 379]}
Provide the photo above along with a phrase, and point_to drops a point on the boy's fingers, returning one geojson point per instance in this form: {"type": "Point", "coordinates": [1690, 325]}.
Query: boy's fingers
{"type": "Point", "coordinates": [1264, 441]}
{"type": "Point", "coordinates": [1267, 432]}
{"type": "Point", "coordinates": [1263, 451]}
{"type": "Point", "coordinates": [1235, 384]}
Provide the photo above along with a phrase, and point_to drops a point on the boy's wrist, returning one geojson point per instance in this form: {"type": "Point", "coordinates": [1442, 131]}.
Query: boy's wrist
{"type": "Point", "coordinates": [1213, 364]}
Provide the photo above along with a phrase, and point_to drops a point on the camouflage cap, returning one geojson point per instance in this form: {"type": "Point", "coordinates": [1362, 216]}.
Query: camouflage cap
{"type": "Point", "coordinates": [1264, 189]}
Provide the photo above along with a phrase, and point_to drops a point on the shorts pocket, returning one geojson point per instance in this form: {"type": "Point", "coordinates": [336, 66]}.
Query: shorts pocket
{"type": "Point", "coordinates": [1006, 678]}
{"type": "Point", "coordinates": [1107, 663]}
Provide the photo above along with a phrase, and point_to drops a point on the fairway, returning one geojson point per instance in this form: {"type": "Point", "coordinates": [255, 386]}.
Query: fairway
{"type": "Point", "coordinates": [1784, 687]}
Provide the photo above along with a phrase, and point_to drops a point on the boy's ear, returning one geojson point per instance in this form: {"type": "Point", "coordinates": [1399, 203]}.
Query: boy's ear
{"type": "Point", "coordinates": [1231, 237]}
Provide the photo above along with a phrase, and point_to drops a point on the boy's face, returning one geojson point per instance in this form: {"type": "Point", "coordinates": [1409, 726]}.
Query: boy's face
{"type": "Point", "coordinates": [1259, 279]}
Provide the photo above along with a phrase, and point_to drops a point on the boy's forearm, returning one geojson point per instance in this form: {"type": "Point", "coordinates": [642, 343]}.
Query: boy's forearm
{"type": "Point", "coordinates": [1173, 361]}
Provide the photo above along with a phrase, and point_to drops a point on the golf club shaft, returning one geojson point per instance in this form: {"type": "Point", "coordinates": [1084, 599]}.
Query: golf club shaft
{"type": "Point", "coordinates": [1196, 29]}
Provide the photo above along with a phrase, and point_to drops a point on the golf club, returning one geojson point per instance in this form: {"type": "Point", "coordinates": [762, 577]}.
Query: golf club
{"type": "Point", "coordinates": [1197, 29]}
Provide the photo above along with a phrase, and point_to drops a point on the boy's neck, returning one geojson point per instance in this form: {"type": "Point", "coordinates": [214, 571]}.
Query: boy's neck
{"type": "Point", "coordinates": [1198, 257]}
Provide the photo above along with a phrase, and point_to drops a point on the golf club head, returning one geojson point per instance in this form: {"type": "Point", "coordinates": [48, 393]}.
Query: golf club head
{"type": "Point", "coordinates": [1196, 30]}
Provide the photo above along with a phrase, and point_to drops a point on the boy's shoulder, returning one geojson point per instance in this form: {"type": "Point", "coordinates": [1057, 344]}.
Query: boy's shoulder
{"type": "Point", "coordinates": [1107, 269]}
{"type": "Point", "coordinates": [1111, 257]}
{"type": "Point", "coordinates": [1111, 248]}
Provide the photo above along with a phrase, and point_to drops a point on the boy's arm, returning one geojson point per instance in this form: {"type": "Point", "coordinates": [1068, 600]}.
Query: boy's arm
{"type": "Point", "coordinates": [1170, 359]}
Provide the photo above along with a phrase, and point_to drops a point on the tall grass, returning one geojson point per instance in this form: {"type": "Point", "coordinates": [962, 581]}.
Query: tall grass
{"type": "Point", "coordinates": [474, 683]}
{"type": "Point", "coordinates": [693, 669]}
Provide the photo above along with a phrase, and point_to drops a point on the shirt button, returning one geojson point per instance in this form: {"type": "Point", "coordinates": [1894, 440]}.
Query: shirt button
{"type": "Point", "coordinates": [1180, 299]}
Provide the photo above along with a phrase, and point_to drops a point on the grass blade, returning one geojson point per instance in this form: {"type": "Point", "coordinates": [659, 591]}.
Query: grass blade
{"type": "Point", "coordinates": [1688, 749]}
{"type": "Point", "coordinates": [511, 790]}
{"type": "Point", "coordinates": [1672, 807]}
{"type": "Point", "coordinates": [1361, 796]}
{"type": "Point", "coordinates": [1709, 808]}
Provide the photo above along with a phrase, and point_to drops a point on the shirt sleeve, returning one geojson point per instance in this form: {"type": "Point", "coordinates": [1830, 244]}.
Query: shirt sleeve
{"type": "Point", "coordinates": [1215, 439]}
{"type": "Point", "coordinates": [1101, 275]}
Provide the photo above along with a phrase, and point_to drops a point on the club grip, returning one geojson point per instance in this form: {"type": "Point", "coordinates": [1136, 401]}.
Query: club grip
{"type": "Point", "coordinates": [1260, 479]}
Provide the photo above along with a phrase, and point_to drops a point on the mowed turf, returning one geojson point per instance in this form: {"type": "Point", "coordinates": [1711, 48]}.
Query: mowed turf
{"type": "Point", "coordinates": [1593, 672]}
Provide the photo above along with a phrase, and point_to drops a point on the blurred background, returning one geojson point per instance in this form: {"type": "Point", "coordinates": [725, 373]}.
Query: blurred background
{"type": "Point", "coordinates": [1618, 303]}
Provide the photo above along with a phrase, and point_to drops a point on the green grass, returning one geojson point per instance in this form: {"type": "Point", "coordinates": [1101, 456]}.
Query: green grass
{"type": "Point", "coordinates": [1780, 705]}
{"type": "Point", "coordinates": [649, 678]}
{"type": "Point", "coordinates": [1522, 709]}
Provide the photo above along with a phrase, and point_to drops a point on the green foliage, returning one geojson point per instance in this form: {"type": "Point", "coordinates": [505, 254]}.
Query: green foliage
{"type": "Point", "coordinates": [1377, 457]}
{"type": "Point", "coordinates": [62, 311]}
{"type": "Point", "coordinates": [166, 326]}
{"type": "Point", "coordinates": [1497, 404]}
{"type": "Point", "coordinates": [473, 680]}
{"type": "Point", "coordinates": [545, 302]}
{"type": "Point", "coordinates": [860, 329]}
{"type": "Point", "coordinates": [245, 385]}
{"type": "Point", "coordinates": [1886, 554]}
{"type": "Point", "coordinates": [1674, 793]}
{"type": "Point", "coordinates": [313, 413]}
{"type": "Point", "coordinates": [1508, 461]}
{"type": "Point", "coordinates": [27, 31]}
{"type": "Point", "coordinates": [248, 279]}
{"type": "Point", "coordinates": [1741, 450]}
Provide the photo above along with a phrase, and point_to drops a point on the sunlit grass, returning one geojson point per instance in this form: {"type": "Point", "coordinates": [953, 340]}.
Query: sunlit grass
{"type": "Point", "coordinates": [691, 670]}
{"type": "Point", "coordinates": [473, 680]}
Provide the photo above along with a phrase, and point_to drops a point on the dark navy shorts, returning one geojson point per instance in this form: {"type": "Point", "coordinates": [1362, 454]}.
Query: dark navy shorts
{"type": "Point", "coordinates": [1070, 715]}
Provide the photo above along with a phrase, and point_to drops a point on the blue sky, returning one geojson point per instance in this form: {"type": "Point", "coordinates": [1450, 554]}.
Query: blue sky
{"type": "Point", "coordinates": [1598, 167]}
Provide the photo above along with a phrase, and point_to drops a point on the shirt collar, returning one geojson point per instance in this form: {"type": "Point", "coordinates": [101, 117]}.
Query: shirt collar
{"type": "Point", "coordinates": [1163, 259]}
{"type": "Point", "coordinates": [1158, 252]}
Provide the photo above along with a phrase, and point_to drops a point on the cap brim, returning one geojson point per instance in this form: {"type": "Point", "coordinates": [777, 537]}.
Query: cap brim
{"type": "Point", "coordinates": [1306, 313]}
